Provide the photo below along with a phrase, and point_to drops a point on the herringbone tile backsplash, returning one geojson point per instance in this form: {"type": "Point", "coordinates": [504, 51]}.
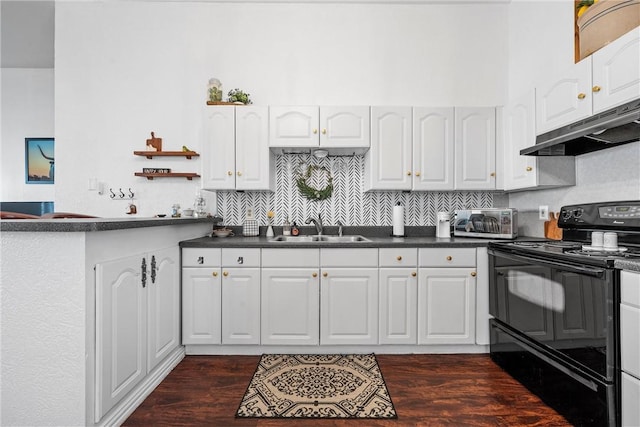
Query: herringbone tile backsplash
{"type": "Point", "coordinates": [349, 203]}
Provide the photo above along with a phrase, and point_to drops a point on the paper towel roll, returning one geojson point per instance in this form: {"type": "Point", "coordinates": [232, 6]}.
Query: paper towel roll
{"type": "Point", "coordinates": [398, 220]}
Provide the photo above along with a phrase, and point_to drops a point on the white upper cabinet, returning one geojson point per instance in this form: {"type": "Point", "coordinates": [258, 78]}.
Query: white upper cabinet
{"type": "Point", "coordinates": [609, 77]}
{"type": "Point", "coordinates": [433, 148]}
{"type": "Point", "coordinates": [530, 172]}
{"type": "Point", "coordinates": [388, 161]}
{"type": "Point", "coordinates": [616, 72]}
{"type": "Point", "coordinates": [313, 127]}
{"type": "Point", "coordinates": [475, 148]}
{"type": "Point", "coordinates": [236, 153]}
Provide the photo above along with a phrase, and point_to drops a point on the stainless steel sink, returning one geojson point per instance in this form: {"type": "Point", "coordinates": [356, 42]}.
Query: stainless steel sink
{"type": "Point", "coordinates": [321, 239]}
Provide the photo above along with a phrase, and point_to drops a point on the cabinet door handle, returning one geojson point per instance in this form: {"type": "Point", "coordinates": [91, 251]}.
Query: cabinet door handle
{"type": "Point", "coordinates": [324, 131]}
{"type": "Point", "coordinates": [215, 274]}
{"type": "Point", "coordinates": [473, 274]}
{"type": "Point", "coordinates": [143, 268]}
{"type": "Point", "coordinates": [315, 131]}
{"type": "Point", "coordinates": [229, 173]}
{"type": "Point", "coordinates": [492, 174]}
{"type": "Point", "coordinates": [325, 274]}
{"type": "Point", "coordinates": [314, 275]}
{"type": "Point", "coordinates": [596, 88]}
{"type": "Point", "coordinates": [408, 173]}
{"type": "Point", "coordinates": [225, 273]}
{"type": "Point", "coordinates": [153, 269]}
{"type": "Point", "coordinates": [449, 257]}
{"type": "Point", "coordinates": [417, 174]}
{"type": "Point", "coordinates": [239, 173]}
{"type": "Point", "coordinates": [414, 274]}
{"type": "Point", "coordinates": [200, 260]}
{"type": "Point", "coordinates": [581, 96]}
{"type": "Point", "coordinates": [529, 168]}
{"type": "Point", "coordinates": [399, 258]}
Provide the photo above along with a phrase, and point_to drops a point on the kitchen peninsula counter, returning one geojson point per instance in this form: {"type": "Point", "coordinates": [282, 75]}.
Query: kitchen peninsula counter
{"type": "Point", "coordinates": [48, 309]}
{"type": "Point", "coordinates": [93, 224]}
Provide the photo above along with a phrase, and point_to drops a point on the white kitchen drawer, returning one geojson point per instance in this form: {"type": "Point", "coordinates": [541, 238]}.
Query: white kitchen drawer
{"type": "Point", "coordinates": [366, 257]}
{"type": "Point", "coordinates": [241, 257]}
{"type": "Point", "coordinates": [630, 339]}
{"type": "Point", "coordinates": [447, 257]}
{"type": "Point", "coordinates": [398, 257]}
{"type": "Point", "coordinates": [201, 257]}
{"type": "Point", "coordinates": [630, 399]}
{"type": "Point", "coordinates": [630, 288]}
{"type": "Point", "coordinates": [290, 258]}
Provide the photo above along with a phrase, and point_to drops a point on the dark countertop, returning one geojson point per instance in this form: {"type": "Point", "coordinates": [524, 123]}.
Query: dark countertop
{"type": "Point", "coordinates": [380, 237]}
{"type": "Point", "coordinates": [93, 224]}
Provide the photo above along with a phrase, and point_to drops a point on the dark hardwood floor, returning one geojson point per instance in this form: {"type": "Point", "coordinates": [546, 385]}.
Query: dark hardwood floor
{"type": "Point", "coordinates": [427, 390]}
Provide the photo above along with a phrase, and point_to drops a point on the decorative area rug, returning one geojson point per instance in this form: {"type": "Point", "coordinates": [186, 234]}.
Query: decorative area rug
{"type": "Point", "coordinates": [317, 386]}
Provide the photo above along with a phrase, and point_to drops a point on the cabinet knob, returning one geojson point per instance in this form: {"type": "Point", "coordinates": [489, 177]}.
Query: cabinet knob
{"type": "Point", "coordinates": [314, 275]}
{"type": "Point", "coordinates": [449, 257]}
{"type": "Point", "coordinates": [215, 274]}
{"type": "Point", "coordinates": [325, 274]}
{"type": "Point", "coordinates": [417, 174]}
{"type": "Point", "coordinates": [414, 274]}
{"type": "Point", "coordinates": [229, 173]}
{"type": "Point", "coordinates": [225, 273]}
{"type": "Point", "coordinates": [493, 174]}
{"type": "Point", "coordinates": [239, 173]}
{"type": "Point", "coordinates": [596, 88]}
{"type": "Point", "coordinates": [399, 258]}
{"type": "Point", "coordinates": [529, 168]}
{"type": "Point", "coordinates": [473, 274]}
{"type": "Point", "coordinates": [409, 173]}
{"type": "Point", "coordinates": [581, 96]}
{"type": "Point", "coordinates": [324, 131]}
{"type": "Point", "coordinates": [315, 131]}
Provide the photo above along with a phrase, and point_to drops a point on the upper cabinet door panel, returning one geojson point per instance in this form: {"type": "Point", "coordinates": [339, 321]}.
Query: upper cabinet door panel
{"type": "Point", "coordinates": [475, 148]}
{"type": "Point", "coordinates": [519, 133]}
{"type": "Point", "coordinates": [389, 158]}
{"type": "Point", "coordinates": [253, 158]}
{"type": "Point", "coordinates": [433, 154]}
{"type": "Point", "coordinates": [344, 127]}
{"type": "Point", "coordinates": [293, 126]}
{"type": "Point", "coordinates": [616, 72]}
{"type": "Point", "coordinates": [218, 150]}
{"type": "Point", "coordinates": [566, 99]}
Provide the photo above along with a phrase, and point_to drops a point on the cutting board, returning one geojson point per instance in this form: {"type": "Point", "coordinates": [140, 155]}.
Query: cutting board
{"type": "Point", "coordinates": [551, 230]}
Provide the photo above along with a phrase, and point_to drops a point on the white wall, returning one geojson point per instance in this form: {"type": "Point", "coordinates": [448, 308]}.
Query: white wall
{"type": "Point", "coordinates": [540, 46]}
{"type": "Point", "coordinates": [27, 111]}
{"type": "Point", "coordinates": [143, 66]}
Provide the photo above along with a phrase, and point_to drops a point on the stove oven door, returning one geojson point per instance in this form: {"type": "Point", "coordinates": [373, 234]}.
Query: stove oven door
{"type": "Point", "coordinates": [567, 310]}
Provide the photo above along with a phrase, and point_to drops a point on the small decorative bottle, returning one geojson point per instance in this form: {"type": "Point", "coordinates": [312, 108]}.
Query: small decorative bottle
{"type": "Point", "coordinates": [270, 216]}
{"type": "Point", "coordinates": [294, 229]}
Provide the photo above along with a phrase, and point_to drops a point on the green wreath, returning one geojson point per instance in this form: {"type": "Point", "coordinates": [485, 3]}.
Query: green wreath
{"type": "Point", "coordinates": [315, 193]}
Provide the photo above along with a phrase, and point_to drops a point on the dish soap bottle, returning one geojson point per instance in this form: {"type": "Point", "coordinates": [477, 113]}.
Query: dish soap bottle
{"type": "Point", "coordinates": [286, 228]}
{"type": "Point", "coordinates": [294, 229]}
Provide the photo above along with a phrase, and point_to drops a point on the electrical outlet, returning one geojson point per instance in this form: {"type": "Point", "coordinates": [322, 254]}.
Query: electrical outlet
{"type": "Point", "coordinates": [543, 212]}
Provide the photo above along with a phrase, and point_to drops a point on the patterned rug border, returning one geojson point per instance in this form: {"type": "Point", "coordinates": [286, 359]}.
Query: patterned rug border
{"type": "Point", "coordinates": [279, 417]}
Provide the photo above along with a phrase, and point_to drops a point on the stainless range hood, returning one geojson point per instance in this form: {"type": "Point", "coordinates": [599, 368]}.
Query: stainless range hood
{"type": "Point", "coordinates": [614, 127]}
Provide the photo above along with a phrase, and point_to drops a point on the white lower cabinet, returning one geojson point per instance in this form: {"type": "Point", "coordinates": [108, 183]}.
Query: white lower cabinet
{"type": "Point", "coordinates": [137, 321]}
{"type": "Point", "coordinates": [398, 275]}
{"type": "Point", "coordinates": [630, 347]}
{"type": "Point", "coordinates": [290, 301]}
{"type": "Point", "coordinates": [241, 296]}
{"type": "Point", "coordinates": [446, 296]}
{"type": "Point", "coordinates": [349, 296]}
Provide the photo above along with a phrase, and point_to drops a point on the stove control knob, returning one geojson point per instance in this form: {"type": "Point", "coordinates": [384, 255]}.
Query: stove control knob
{"type": "Point", "coordinates": [566, 214]}
{"type": "Point", "coordinates": [578, 212]}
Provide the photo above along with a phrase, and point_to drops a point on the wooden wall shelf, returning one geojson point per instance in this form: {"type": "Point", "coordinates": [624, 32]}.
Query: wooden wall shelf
{"type": "Point", "coordinates": [150, 176]}
{"type": "Point", "coordinates": [152, 154]}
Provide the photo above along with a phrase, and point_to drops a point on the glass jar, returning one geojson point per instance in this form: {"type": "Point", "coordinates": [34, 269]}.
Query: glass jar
{"type": "Point", "coordinates": [214, 90]}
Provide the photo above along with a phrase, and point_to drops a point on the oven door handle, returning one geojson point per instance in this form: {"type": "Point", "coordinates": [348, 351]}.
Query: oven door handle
{"type": "Point", "coordinates": [531, 259]}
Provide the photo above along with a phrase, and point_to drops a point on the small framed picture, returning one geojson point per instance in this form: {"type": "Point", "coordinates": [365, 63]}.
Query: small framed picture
{"type": "Point", "coordinates": [39, 160]}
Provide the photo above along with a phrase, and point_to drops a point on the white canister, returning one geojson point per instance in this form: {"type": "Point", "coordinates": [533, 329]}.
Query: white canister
{"type": "Point", "coordinates": [443, 227]}
{"type": "Point", "coordinates": [610, 241]}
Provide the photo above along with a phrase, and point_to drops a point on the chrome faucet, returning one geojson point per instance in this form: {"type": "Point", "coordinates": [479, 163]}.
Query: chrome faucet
{"type": "Point", "coordinates": [340, 225]}
{"type": "Point", "coordinates": [317, 223]}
